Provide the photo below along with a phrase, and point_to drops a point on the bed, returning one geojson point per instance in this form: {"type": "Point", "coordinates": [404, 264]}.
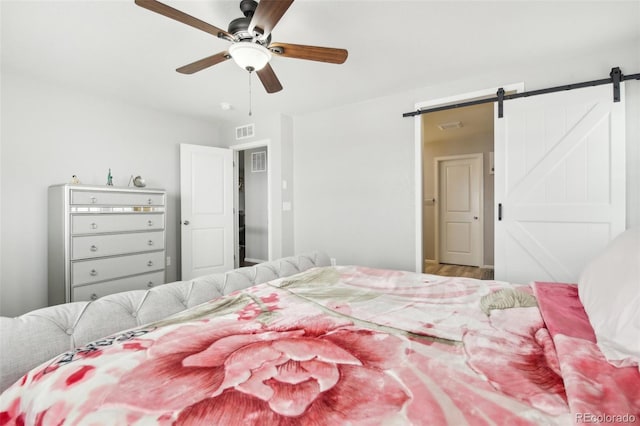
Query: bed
{"type": "Point", "coordinates": [349, 345]}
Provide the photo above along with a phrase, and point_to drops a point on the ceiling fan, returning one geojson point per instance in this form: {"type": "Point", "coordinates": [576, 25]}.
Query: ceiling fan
{"type": "Point", "coordinates": [250, 36]}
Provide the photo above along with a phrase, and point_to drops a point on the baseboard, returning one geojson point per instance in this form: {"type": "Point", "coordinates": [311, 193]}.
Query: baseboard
{"type": "Point", "coordinates": [430, 261]}
{"type": "Point", "coordinates": [249, 259]}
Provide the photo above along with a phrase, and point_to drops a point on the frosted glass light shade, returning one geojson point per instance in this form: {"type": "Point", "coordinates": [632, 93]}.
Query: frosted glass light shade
{"type": "Point", "coordinates": [249, 55]}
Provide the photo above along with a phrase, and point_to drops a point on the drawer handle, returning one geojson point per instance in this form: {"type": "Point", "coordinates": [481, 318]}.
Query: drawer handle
{"type": "Point", "coordinates": [150, 223]}
{"type": "Point", "coordinates": [94, 225]}
{"type": "Point", "coordinates": [150, 284]}
{"type": "Point", "coordinates": [93, 296]}
{"type": "Point", "coordinates": [93, 248]}
{"type": "Point", "coordinates": [93, 273]}
{"type": "Point", "coordinates": [150, 263]}
{"type": "Point", "coordinates": [150, 242]}
{"type": "Point", "coordinates": [150, 201]}
{"type": "Point", "coordinates": [94, 200]}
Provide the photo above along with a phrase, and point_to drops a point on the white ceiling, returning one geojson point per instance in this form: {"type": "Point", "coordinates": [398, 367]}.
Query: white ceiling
{"type": "Point", "coordinates": [115, 48]}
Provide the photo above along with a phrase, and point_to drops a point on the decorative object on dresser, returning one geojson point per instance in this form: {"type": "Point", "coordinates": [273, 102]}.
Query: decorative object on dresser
{"type": "Point", "coordinates": [139, 182]}
{"type": "Point", "coordinates": [104, 240]}
{"type": "Point", "coordinates": [109, 179]}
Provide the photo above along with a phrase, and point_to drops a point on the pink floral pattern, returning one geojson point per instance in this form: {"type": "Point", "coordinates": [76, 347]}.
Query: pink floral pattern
{"type": "Point", "coordinates": [345, 345]}
{"type": "Point", "coordinates": [520, 340]}
{"type": "Point", "coordinates": [275, 372]}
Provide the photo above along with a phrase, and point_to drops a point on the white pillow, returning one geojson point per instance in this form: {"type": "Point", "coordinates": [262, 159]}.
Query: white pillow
{"type": "Point", "coordinates": [609, 288]}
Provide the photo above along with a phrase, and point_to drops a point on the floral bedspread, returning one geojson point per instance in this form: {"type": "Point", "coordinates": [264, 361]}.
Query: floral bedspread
{"type": "Point", "coordinates": [329, 346]}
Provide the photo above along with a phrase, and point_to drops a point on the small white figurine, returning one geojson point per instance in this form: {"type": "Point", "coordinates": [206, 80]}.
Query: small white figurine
{"type": "Point", "coordinates": [139, 182]}
{"type": "Point", "coordinates": [75, 180]}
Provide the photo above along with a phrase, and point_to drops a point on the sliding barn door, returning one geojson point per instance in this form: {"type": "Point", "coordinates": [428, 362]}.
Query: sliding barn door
{"type": "Point", "coordinates": [559, 183]}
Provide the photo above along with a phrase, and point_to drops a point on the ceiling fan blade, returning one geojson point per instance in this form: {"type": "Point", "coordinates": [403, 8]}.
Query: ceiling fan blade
{"type": "Point", "coordinates": [203, 63]}
{"type": "Point", "coordinates": [170, 12]}
{"type": "Point", "coordinates": [267, 15]}
{"type": "Point", "coordinates": [269, 79]}
{"type": "Point", "coordinates": [311, 53]}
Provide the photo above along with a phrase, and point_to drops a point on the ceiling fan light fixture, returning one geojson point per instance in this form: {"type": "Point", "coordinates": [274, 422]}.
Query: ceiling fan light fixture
{"type": "Point", "coordinates": [250, 56]}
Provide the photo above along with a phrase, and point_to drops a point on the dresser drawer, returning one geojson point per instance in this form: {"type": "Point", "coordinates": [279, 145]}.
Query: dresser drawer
{"type": "Point", "coordinates": [116, 198]}
{"type": "Point", "coordinates": [94, 291]}
{"type": "Point", "coordinates": [99, 223]}
{"type": "Point", "coordinates": [91, 271]}
{"type": "Point", "coordinates": [89, 246]}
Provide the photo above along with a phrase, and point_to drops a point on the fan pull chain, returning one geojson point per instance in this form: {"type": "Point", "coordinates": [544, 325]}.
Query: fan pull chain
{"type": "Point", "coordinates": [249, 93]}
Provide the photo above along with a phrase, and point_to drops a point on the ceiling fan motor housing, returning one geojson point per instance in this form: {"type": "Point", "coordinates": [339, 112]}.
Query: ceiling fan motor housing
{"type": "Point", "coordinates": [239, 27]}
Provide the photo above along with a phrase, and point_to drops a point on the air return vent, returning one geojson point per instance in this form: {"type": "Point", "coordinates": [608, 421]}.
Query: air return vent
{"type": "Point", "coordinates": [244, 132]}
{"type": "Point", "coordinates": [258, 161]}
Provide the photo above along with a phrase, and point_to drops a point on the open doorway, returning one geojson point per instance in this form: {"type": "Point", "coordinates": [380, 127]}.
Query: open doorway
{"type": "Point", "coordinates": [252, 198]}
{"type": "Point", "coordinates": [458, 187]}
{"type": "Point", "coordinates": [442, 136]}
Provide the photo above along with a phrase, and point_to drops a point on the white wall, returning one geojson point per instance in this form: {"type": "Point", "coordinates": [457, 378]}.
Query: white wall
{"type": "Point", "coordinates": [287, 183]}
{"type": "Point", "coordinates": [50, 133]}
{"type": "Point", "coordinates": [633, 150]}
{"type": "Point", "coordinates": [277, 129]}
{"type": "Point", "coordinates": [354, 165]}
{"type": "Point", "coordinates": [353, 172]}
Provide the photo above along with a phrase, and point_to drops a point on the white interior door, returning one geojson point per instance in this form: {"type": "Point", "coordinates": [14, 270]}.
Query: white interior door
{"type": "Point", "coordinates": [460, 197]}
{"type": "Point", "coordinates": [206, 193]}
{"type": "Point", "coordinates": [559, 183]}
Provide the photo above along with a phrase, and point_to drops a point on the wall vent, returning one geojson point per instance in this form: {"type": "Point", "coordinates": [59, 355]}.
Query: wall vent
{"type": "Point", "coordinates": [244, 132]}
{"type": "Point", "coordinates": [259, 161]}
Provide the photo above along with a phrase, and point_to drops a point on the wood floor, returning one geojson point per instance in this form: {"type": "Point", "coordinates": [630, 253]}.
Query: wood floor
{"type": "Point", "coordinates": [458, 271]}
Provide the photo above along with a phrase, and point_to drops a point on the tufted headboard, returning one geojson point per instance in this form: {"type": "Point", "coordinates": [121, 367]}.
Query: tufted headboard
{"type": "Point", "coordinates": [33, 338]}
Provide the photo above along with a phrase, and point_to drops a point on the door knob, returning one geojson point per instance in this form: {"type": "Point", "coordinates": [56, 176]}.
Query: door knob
{"type": "Point", "coordinates": [186, 222]}
{"type": "Point", "coordinates": [475, 217]}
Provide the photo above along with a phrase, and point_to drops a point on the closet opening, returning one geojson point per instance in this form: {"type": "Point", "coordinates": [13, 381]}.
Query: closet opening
{"type": "Point", "coordinates": [252, 176]}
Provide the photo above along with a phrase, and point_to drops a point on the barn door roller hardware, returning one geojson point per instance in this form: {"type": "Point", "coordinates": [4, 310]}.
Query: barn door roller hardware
{"type": "Point", "coordinates": [615, 77]}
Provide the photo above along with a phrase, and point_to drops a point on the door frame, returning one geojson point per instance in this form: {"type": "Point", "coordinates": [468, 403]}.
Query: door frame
{"type": "Point", "coordinates": [418, 163]}
{"type": "Point", "coordinates": [437, 162]}
{"type": "Point", "coordinates": [236, 149]}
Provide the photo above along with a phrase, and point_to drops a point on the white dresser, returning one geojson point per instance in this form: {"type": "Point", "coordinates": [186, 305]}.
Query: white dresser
{"type": "Point", "coordinates": [104, 240]}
